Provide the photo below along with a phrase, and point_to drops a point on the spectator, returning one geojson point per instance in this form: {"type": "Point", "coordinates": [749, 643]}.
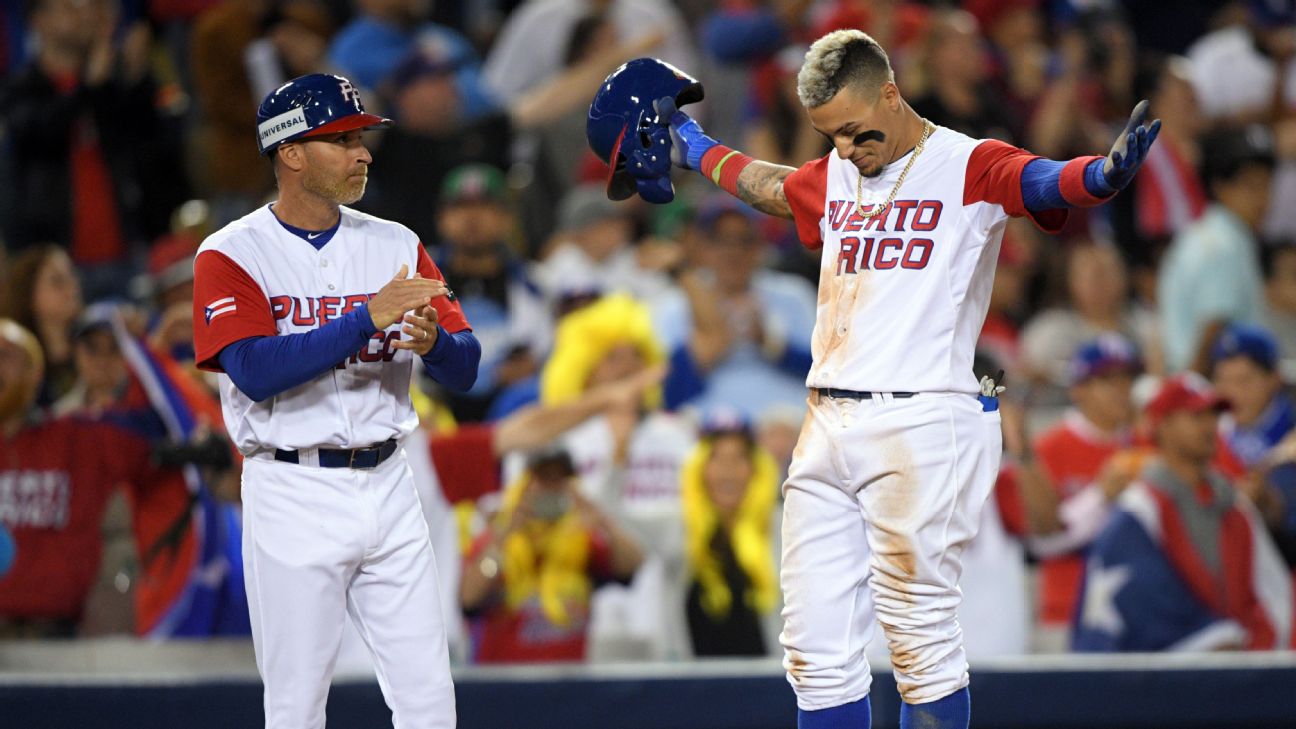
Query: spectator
{"type": "Point", "coordinates": [1237, 68]}
{"type": "Point", "coordinates": [527, 580]}
{"type": "Point", "coordinates": [530, 47]}
{"type": "Point", "coordinates": [629, 459]}
{"type": "Point", "coordinates": [1280, 301]}
{"type": "Point", "coordinates": [242, 49]}
{"type": "Point", "coordinates": [1244, 367]}
{"type": "Point", "coordinates": [168, 282]}
{"type": "Point", "coordinates": [775, 128]}
{"type": "Point", "coordinates": [42, 294]}
{"type": "Point", "coordinates": [382, 33]}
{"type": "Point", "coordinates": [1089, 95]}
{"type": "Point", "coordinates": [556, 154]}
{"type": "Point", "coordinates": [435, 135]}
{"type": "Point", "coordinates": [55, 479]}
{"type": "Point", "coordinates": [594, 248]}
{"type": "Point", "coordinates": [1260, 427]}
{"type": "Point", "coordinates": [747, 33]}
{"type": "Point", "coordinates": [729, 486]}
{"type": "Point", "coordinates": [955, 74]}
{"type": "Point", "coordinates": [1243, 74]}
{"type": "Point", "coordinates": [102, 376]}
{"type": "Point", "coordinates": [90, 166]}
{"type": "Point", "coordinates": [1020, 57]}
{"type": "Point", "coordinates": [896, 25]}
{"type": "Point", "coordinates": [738, 335]}
{"type": "Point", "coordinates": [492, 284]}
{"type": "Point", "coordinates": [1211, 274]}
{"type": "Point", "coordinates": [462, 466]}
{"type": "Point", "coordinates": [1184, 563]}
{"type": "Point", "coordinates": [1169, 194]}
{"type": "Point", "coordinates": [1077, 474]}
{"type": "Point", "coordinates": [1098, 292]}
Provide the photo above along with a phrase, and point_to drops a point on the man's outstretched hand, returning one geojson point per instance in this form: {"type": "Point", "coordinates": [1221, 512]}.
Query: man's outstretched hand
{"type": "Point", "coordinates": [1131, 148]}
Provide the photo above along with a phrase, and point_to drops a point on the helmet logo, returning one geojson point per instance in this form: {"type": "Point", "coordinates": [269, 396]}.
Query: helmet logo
{"type": "Point", "coordinates": [349, 93]}
{"type": "Point", "coordinates": [276, 129]}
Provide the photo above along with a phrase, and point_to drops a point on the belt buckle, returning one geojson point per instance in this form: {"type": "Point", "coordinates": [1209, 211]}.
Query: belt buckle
{"type": "Point", "coordinates": [356, 451]}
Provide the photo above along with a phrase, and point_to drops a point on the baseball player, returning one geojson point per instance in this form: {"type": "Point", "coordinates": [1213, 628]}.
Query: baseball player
{"type": "Point", "coordinates": [896, 455]}
{"type": "Point", "coordinates": [309, 310]}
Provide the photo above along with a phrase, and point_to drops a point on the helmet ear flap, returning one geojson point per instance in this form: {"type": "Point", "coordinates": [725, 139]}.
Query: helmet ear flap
{"type": "Point", "coordinates": [650, 165]}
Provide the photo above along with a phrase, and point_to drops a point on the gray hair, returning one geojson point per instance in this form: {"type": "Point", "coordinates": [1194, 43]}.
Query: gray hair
{"type": "Point", "coordinates": [839, 59]}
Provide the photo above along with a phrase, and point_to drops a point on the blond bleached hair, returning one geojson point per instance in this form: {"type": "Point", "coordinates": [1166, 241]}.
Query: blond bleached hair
{"type": "Point", "coordinates": [839, 59]}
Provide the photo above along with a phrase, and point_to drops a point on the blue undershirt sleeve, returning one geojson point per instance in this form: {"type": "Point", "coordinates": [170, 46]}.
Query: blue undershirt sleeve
{"type": "Point", "coordinates": [263, 367]}
{"type": "Point", "coordinates": [684, 380]}
{"type": "Point", "coordinates": [1041, 188]}
{"type": "Point", "coordinates": [453, 360]}
{"type": "Point", "coordinates": [795, 361]}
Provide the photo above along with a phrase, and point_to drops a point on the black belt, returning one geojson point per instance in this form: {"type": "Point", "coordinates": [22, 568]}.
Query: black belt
{"type": "Point", "coordinates": [857, 395]}
{"type": "Point", "coordinates": [347, 457]}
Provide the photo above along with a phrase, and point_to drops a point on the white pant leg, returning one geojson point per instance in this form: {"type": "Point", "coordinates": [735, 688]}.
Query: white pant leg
{"type": "Point", "coordinates": [929, 464]}
{"type": "Point", "coordinates": [827, 606]}
{"type": "Point", "coordinates": [395, 602]}
{"type": "Point", "coordinates": [303, 535]}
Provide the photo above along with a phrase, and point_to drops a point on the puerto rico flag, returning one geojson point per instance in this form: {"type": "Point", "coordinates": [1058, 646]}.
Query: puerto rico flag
{"type": "Point", "coordinates": [219, 308]}
{"type": "Point", "coordinates": [196, 592]}
{"type": "Point", "coordinates": [1147, 586]}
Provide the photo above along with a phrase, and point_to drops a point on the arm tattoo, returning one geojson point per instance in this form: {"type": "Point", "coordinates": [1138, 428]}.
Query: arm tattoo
{"type": "Point", "coordinates": [760, 185]}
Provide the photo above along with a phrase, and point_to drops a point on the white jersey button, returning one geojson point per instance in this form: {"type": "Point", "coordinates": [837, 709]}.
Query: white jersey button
{"type": "Point", "coordinates": [332, 287]}
{"type": "Point", "coordinates": [323, 264]}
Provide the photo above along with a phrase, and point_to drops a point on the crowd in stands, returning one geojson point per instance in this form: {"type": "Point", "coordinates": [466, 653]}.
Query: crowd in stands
{"type": "Point", "coordinates": [609, 487]}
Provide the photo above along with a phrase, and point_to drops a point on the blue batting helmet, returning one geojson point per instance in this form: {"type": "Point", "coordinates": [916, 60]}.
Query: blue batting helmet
{"type": "Point", "coordinates": [309, 106]}
{"type": "Point", "coordinates": [622, 119]}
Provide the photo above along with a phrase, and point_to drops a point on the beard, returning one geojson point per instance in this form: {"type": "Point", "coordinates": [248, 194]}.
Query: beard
{"type": "Point", "coordinates": [871, 168]}
{"type": "Point", "coordinates": [343, 191]}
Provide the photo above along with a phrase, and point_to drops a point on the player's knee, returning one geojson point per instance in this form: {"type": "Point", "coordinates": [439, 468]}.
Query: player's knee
{"type": "Point", "coordinates": [821, 681]}
{"type": "Point", "coordinates": [928, 664]}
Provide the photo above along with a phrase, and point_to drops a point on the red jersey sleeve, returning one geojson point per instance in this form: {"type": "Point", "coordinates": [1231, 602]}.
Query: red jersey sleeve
{"type": "Point", "coordinates": [448, 309]}
{"type": "Point", "coordinates": [228, 306]}
{"type": "Point", "coordinates": [807, 192]}
{"type": "Point", "coordinates": [1012, 506]}
{"type": "Point", "coordinates": [993, 175]}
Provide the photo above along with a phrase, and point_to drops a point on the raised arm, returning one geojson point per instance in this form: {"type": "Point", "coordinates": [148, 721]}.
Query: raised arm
{"type": "Point", "coordinates": [760, 185]}
{"type": "Point", "coordinates": [757, 183]}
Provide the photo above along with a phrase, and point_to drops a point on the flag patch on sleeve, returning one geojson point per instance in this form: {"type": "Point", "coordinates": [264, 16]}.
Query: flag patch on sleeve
{"type": "Point", "coordinates": [219, 308]}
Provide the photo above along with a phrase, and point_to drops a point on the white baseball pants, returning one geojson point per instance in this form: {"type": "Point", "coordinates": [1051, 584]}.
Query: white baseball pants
{"type": "Point", "coordinates": [880, 499]}
{"type": "Point", "coordinates": [319, 543]}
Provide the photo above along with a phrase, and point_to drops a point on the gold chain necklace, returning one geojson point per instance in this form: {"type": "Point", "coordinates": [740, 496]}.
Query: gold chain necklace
{"type": "Point", "coordinates": [878, 208]}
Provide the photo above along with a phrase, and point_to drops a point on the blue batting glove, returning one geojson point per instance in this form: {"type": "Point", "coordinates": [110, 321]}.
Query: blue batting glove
{"type": "Point", "coordinates": [1130, 149]}
{"type": "Point", "coordinates": [990, 390]}
{"type": "Point", "coordinates": [688, 141]}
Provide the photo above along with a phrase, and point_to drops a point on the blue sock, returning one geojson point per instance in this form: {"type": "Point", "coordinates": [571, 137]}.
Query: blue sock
{"type": "Point", "coordinates": [952, 712]}
{"type": "Point", "coordinates": [855, 715]}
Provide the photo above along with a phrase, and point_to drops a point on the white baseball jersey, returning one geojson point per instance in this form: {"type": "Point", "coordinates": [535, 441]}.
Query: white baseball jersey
{"type": "Point", "coordinates": [903, 295]}
{"type": "Point", "coordinates": [254, 278]}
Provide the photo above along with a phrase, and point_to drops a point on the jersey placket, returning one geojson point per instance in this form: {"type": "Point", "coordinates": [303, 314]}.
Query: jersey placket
{"type": "Point", "coordinates": [326, 279]}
